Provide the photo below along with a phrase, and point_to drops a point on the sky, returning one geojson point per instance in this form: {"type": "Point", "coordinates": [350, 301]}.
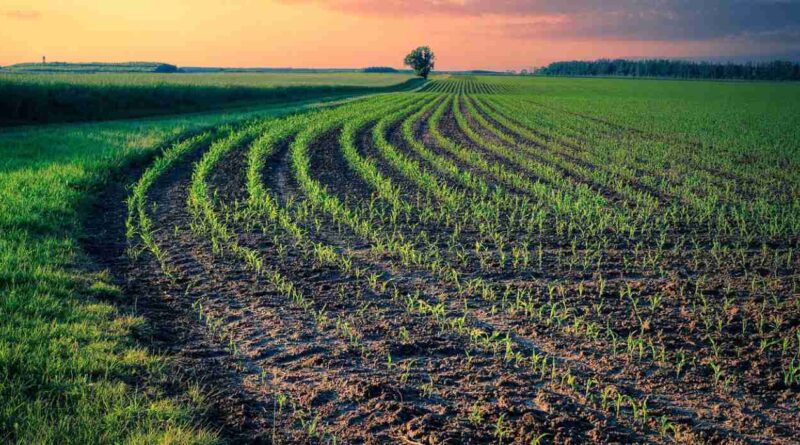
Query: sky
{"type": "Point", "coordinates": [464, 34]}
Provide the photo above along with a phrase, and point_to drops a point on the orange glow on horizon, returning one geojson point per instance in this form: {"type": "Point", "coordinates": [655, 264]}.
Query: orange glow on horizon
{"type": "Point", "coordinates": [252, 33]}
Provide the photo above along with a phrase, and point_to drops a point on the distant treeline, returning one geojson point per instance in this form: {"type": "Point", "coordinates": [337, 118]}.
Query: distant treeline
{"type": "Point", "coordinates": [480, 72]}
{"type": "Point", "coordinates": [24, 102]}
{"type": "Point", "coordinates": [211, 69]}
{"type": "Point", "coordinates": [379, 69]}
{"type": "Point", "coordinates": [65, 67]}
{"type": "Point", "coordinates": [160, 67]}
{"type": "Point", "coordinates": [681, 69]}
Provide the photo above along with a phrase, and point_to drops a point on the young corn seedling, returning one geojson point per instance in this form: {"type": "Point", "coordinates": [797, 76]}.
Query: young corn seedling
{"type": "Point", "coordinates": [502, 429]}
{"type": "Point", "coordinates": [475, 416]}
{"type": "Point", "coordinates": [538, 439]}
{"type": "Point", "coordinates": [407, 368]}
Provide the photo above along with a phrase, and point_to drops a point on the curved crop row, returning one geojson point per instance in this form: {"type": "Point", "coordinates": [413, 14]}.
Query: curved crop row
{"type": "Point", "coordinates": [428, 241]}
{"type": "Point", "coordinates": [462, 85]}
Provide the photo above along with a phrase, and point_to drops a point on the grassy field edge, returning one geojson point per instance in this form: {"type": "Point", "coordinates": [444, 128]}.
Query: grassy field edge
{"type": "Point", "coordinates": [71, 368]}
{"type": "Point", "coordinates": [63, 98]}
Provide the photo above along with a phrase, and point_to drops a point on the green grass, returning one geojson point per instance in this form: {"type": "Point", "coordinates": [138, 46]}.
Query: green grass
{"type": "Point", "coordinates": [744, 117]}
{"type": "Point", "coordinates": [59, 97]}
{"type": "Point", "coordinates": [67, 358]}
{"type": "Point", "coordinates": [68, 364]}
{"type": "Point", "coordinates": [255, 80]}
{"type": "Point", "coordinates": [63, 67]}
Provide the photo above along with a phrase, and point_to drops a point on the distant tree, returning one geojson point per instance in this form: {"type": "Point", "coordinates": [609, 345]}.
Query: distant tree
{"type": "Point", "coordinates": [421, 60]}
{"type": "Point", "coordinates": [166, 68]}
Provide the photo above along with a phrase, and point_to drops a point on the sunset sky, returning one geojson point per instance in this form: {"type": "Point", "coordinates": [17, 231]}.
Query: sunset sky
{"type": "Point", "coordinates": [465, 34]}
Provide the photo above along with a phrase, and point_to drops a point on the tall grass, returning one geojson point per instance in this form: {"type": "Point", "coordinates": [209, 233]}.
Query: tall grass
{"type": "Point", "coordinates": [38, 98]}
{"type": "Point", "coordinates": [69, 368]}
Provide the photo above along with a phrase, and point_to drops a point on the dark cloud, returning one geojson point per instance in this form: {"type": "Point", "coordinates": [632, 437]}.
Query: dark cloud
{"type": "Point", "coordinates": [21, 15]}
{"type": "Point", "coordinates": [767, 20]}
{"type": "Point", "coordinates": [683, 20]}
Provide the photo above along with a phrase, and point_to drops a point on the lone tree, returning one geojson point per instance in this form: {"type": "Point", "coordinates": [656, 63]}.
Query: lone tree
{"type": "Point", "coordinates": [421, 60]}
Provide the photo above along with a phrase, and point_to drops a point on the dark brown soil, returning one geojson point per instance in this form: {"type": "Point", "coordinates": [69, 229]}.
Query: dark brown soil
{"type": "Point", "coordinates": [358, 366]}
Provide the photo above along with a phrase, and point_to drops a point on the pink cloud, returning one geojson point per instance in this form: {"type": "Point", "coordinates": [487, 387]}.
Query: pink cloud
{"type": "Point", "coordinates": [644, 20]}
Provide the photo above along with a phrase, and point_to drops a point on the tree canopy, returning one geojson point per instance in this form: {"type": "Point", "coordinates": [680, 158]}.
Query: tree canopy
{"type": "Point", "coordinates": [421, 60]}
{"type": "Point", "coordinates": [379, 69]}
{"type": "Point", "coordinates": [681, 69]}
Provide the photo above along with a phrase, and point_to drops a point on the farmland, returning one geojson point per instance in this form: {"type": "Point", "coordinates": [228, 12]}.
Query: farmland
{"type": "Point", "coordinates": [72, 97]}
{"type": "Point", "coordinates": [471, 266]}
{"type": "Point", "coordinates": [72, 368]}
{"type": "Point", "coordinates": [256, 80]}
{"type": "Point", "coordinates": [483, 260]}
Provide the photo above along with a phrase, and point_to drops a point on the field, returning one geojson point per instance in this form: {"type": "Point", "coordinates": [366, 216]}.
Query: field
{"type": "Point", "coordinates": [59, 97]}
{"type": "Point", "coordinates": [484, 260]}
{"type": "Point", "coordinates": [254, 80]}
{"type": "Point", "coordinates": [73, 68]}
{"type": "Point", "coordinates": [73, 360]}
